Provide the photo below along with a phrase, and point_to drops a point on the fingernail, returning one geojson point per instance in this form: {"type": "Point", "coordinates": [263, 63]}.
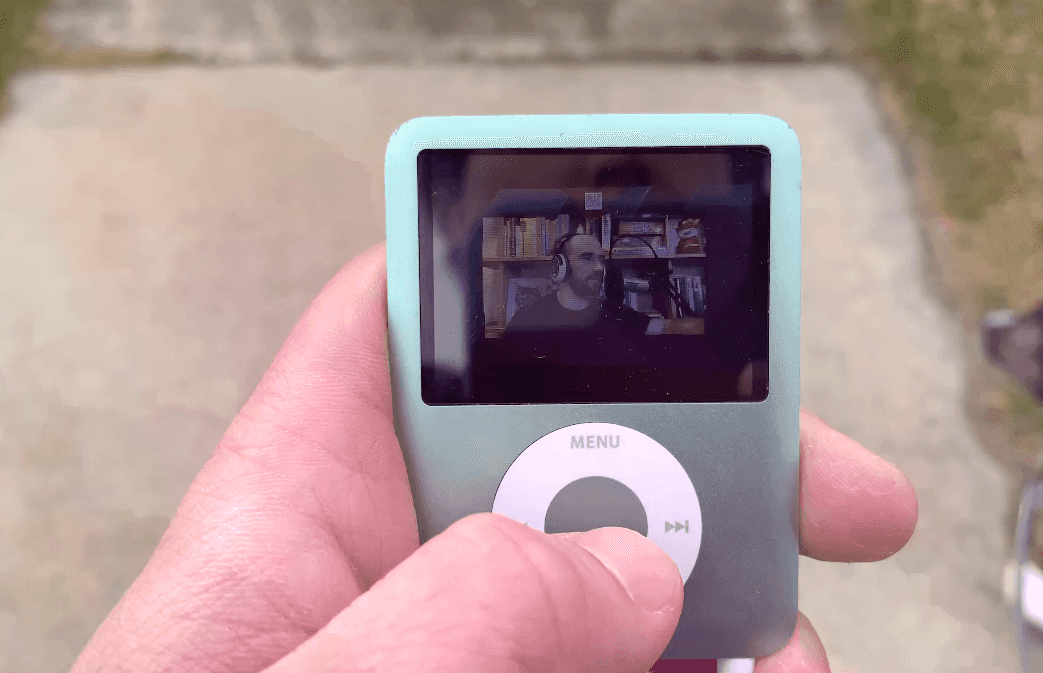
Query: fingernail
{"type": "Point", "coordinates": [648, 574]}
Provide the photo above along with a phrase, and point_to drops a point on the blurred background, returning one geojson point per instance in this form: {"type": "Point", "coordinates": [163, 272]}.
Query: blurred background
{"type": "Point", "coordinates": [178, 178]}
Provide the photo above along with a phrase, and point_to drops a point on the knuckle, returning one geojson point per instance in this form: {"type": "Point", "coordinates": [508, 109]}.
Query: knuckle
{"type": "Point", "coordinates": [487, 526]}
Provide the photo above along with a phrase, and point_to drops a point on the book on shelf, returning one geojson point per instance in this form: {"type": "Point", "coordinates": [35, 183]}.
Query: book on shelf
{"type": "Point", "coordinates": [521, 237]}
{"type": "Point", "coordinates": [631, 234]}
{"type": "Point", "coordinates": [493, 297]}
{"type": "Point", "coordinates": [692, 290]}
{"type": "Point", "coordinates": [637, 292]}
{"type": "Point", "coordinates": [535, 236]}
{"type": "Point", "coordinates": [642, 228]}
{"type": "Point", "coordinates": [562, 228]}
{"type": "Point", "coordinates": [553, 229]}
{"type": "Point", "coordinates": [494, 241]}
{"type": "Point", "coordinates": [631, 248]}
{"type": "Point", "coordinates": [642, 302]}
{"type": "Point", "coordinates": [509, 237]}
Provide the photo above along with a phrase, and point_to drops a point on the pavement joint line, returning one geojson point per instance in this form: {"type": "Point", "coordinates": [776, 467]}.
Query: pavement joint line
{"type": "Point", "coordinates": [335, 32]}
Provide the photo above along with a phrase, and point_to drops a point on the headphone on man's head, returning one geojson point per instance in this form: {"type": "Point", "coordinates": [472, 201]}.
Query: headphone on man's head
{"type": "Point", "coordinates": [559, 269]}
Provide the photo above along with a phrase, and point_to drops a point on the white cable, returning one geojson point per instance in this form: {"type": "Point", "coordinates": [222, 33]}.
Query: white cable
{"type": "Point", "coordinates": [735, 666]}
{"type": "Point", "coordinates": [1031, 591]}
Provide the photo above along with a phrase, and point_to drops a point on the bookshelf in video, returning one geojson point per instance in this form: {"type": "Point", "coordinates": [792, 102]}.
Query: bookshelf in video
{"type": "Point", "coordinates": [651, 251]}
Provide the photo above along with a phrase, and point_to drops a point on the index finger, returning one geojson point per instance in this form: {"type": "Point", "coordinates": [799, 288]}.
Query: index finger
{"type": "Point", "coordinates": [855, 506]}
{"type": "Point", "coordinates": [303, 506]}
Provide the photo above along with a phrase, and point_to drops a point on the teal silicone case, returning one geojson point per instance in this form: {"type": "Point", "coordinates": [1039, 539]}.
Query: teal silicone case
{"type": "Point", "coordinates": [742, 458]}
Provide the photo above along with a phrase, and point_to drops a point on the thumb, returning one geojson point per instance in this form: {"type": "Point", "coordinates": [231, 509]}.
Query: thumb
{"type": "Point", "coordinates": [490, 594]}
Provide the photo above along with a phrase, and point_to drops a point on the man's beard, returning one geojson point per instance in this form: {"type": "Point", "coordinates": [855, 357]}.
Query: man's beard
{"type": "Point", "coordinates": [590, 288]}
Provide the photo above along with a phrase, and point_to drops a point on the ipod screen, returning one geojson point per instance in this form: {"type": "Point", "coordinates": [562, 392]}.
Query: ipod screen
{"type": "Point", "coordinates": [611, 276]}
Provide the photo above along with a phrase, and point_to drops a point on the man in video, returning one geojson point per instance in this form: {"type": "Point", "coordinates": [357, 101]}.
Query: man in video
{"type": "Point", "coordinates": [578, 306]}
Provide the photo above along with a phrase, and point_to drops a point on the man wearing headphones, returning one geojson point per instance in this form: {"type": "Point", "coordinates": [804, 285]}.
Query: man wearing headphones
{"type": "Point", "coordinates": [577, 306]}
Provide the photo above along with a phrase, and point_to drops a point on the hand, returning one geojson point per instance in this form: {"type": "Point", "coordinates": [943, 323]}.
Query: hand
{"type": "Point", "coordinates": [296, 547]}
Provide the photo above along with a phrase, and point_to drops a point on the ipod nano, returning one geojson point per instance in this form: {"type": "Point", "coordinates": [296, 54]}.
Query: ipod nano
{"type": "Point", "coordinates": [594, 321]}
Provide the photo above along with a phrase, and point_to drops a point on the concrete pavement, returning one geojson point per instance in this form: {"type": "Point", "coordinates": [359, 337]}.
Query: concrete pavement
{"type": "Point", "coordinates": [163, 229]}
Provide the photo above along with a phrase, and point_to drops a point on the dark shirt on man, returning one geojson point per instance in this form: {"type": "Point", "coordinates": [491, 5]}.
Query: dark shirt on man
{"type": "Point", "coordinates": [547, 315]}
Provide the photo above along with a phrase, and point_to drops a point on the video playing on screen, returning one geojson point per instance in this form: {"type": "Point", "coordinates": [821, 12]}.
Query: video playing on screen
{"type": "Point", "coordinates": [594, 276]}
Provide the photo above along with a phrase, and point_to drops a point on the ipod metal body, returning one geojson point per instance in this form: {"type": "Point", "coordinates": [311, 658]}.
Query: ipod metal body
{"type": "Point", "coordinates": [657, 387]}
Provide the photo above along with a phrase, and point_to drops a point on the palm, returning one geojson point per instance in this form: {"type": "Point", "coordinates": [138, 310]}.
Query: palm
{"type": "Point", "coordinates": [294, 556]}
{"type": "Point", "coordinates": [293, 517]}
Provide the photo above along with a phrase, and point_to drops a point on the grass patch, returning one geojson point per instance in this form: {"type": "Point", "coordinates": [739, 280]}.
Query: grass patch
{"type": "Point", "coordinates": [23, 45]}
{"type": "Point", "coordinates": [968, 75]}
{"type": "Point", "coordinates": [964, 70]}
{"type": "Point", "coordinates": [17, 25]}
{"type": "Point", "coordinates": [46, 54]}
